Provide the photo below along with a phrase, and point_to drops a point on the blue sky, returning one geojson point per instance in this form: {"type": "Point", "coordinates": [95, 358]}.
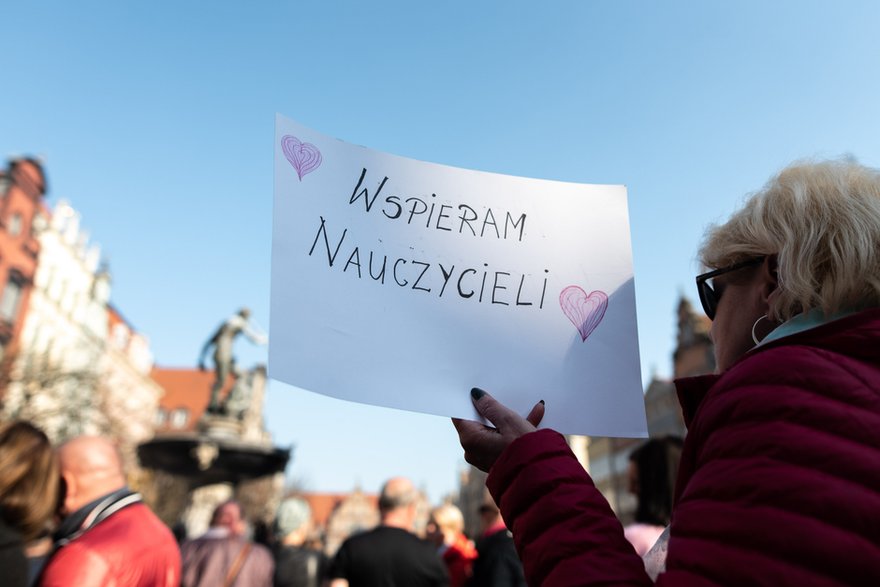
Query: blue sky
{"type": "Point", "coordinates": [156, 122]}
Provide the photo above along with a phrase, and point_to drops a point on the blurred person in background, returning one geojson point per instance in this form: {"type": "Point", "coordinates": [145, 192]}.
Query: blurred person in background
{"type": "Point", "coordinates": [108, 536]}
{"type": "Point", "coordinates": [779, 481]}
{"type": "Point", "coordinates": [445, 530]}
{"type": "Point", "coordinates": [652, 470]}
{"type": "Point", "coordinates": [390, 555]}
{"type": "Point", "coordinates": [295, 564]}
{"type": "Point", "coordinates": [497, 563]}
{"type": "Point", "coordinates": [223, 556]}
{"type": "Point", "coordinates": [28, 498]}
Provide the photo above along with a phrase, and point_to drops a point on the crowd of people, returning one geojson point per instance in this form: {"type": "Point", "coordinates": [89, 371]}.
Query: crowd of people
{"type": "Point", "coordinates": [67, 518]}
{"type": "Point", "coordinates": [776, 483]}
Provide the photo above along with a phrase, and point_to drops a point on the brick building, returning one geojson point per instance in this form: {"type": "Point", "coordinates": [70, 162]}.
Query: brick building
{"type": "Point", "coordinates": [22, 216]}
{"type": "Point", "coordinates": [71, 363]}
{"type": "Point", "coordinates": [187, 392]}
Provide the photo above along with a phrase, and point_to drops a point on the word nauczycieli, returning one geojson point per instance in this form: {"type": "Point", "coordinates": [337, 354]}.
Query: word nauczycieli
{"type": "Point", "coordinates": [494, 287]}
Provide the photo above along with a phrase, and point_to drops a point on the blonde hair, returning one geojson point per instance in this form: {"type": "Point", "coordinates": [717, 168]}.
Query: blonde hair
{"type": "Point", "coordinates": [822, 220]}
{"type": "Point", "coordinates": [448, 517]}
{"type": "Point", "coordinates": [29, 478]}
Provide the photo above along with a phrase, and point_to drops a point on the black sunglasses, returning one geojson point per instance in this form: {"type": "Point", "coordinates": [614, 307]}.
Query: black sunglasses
{"type": "Point", "coordinates": [708, 296]}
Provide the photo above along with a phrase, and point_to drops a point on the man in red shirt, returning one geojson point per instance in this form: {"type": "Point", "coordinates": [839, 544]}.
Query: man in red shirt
{"type": "Point", "coordinates": [108, 537]}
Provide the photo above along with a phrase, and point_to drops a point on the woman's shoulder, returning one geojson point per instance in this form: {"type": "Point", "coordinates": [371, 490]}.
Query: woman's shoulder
{"type": "Point", "coordinates": [9, 536]}
{"type": "Point", "coordinates": [797, 375]}
{"type": "Point", "coordinates": [846, 349]}
{"type": "Point", "coordinates": [12, 557]}
{"type": "Point", "coordinates": [794, 390]}
{"type": "Point", "coordinates": [849, 344]}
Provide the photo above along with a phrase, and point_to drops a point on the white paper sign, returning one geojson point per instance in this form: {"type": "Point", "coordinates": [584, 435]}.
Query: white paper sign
{"type": "Point", "coordinates": [404, 284]}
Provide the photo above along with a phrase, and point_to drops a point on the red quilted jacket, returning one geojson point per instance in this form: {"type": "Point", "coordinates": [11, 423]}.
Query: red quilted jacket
{"type": "Point", "coordinates": [779, 481]}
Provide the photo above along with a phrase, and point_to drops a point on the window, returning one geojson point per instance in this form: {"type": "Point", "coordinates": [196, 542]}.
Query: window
{"type": "Point", "coordinates": [161, 417]}
{"type": "Point", "coordinates": [179, 418]}
{"type": "Point", "coordinates": [38, 224]}
{"type": "Point", "coordinates": [15, 224]}
{"type": "Point", "coordinates": [9, 302]}
{"type": "Point", "coordinates": [120, 336]}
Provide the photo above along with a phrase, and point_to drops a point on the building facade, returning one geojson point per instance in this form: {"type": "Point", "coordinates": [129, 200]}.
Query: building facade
{"type": "Point", "coordinates": [128, 395]}
{"type": "Point", "coordinates": [22, 217]}
{"type": "Point", "coordinates": [57, 370]}
{"type": "Point", "coordinates": [187, 391]}
{"type": "Point", "coordinates": [79, 367]}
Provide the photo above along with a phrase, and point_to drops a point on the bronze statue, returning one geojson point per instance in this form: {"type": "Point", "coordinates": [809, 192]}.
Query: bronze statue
{"type": "Point", "coordinates": [224, 362]}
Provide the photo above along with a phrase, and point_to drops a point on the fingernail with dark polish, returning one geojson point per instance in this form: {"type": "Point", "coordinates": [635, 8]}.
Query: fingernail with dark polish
{"type": "Point", "coordinates": [541, 402]}
{"type": "Point", "coordinates": [477, 393]}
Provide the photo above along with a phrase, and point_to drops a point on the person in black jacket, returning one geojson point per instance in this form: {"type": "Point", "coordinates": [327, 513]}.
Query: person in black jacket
{"type": "Point", "coordinates": [390, 555]}
{"type": "Point", "coordinates": [497, 563]}
{"type": "Point", "coordinates": [296, 565]}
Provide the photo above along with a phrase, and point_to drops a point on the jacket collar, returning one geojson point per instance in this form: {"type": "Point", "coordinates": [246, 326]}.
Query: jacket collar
{"type": "Point", "coordinates": [691, 391]}
{"type": "Point", "coordinates": [854, 335]}
{"type": "Point", "coordinates": [93, 513]}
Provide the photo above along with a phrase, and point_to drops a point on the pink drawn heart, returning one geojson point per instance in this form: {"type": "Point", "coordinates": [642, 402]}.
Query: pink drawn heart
{"type": "Point", "coordinates": [305, 157]}
{"type": "Point", "coordinates": [584, 311]}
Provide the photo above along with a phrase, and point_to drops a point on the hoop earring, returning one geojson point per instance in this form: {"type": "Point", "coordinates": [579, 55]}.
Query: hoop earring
{"type": "Point", "coordinates": [755, 338]}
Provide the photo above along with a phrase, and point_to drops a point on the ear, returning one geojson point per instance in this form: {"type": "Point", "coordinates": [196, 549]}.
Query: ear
{"type": "Point", "coordinates": [70, 493]}
{"type": "Point", "coordinates": [770, 280]}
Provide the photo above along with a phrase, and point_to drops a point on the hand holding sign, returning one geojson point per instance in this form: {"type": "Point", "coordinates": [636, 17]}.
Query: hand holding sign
{"type": "Point", "coordinates": [483, 444]}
